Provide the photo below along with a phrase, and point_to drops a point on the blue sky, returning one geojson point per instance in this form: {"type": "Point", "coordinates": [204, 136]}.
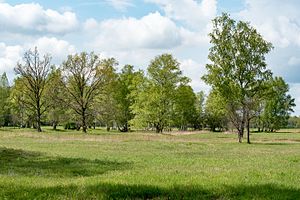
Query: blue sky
{"type": "Point", "coordinates": [134, 31]}
{"type": "Point", "coordinates": [102, 9]}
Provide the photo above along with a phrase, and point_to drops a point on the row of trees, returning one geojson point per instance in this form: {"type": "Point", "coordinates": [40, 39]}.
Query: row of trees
{"type": "Point", "coordinates": [87, 90]}
{"type": "Point", "coordinates": [294, 122]}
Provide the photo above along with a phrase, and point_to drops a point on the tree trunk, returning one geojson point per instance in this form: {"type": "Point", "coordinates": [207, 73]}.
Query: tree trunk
{"type": "Point", "coordinates": [242, 127]}
{"type": "Point", "coordinates": [159, 128]}
{"type": "Point", "coordinates": [84, 127]}
{"type": "Point", "coordinates": [248, 131]}
{"type": "Point", "coordinates": [54, 125]}
{"type": "Point", "coordinates": [124, 128]}
{"type": "Point", "coordinates": [78, 126]}
{"type": "Point", "coordinates": [240, 135]}
{"type": "Point", "coordinates": [38, 123]}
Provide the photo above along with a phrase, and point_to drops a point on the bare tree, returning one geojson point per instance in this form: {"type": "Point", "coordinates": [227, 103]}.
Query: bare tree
{"type": "Point", "coordinates": [35, 71]}
{"type": "Point", "coordinates": [82, 79]}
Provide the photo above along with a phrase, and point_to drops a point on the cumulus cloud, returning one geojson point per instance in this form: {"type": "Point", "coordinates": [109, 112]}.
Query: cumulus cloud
{"type": "Point", "coordinates": [191, 12]}
{"type": "Point", "coordinates": [152, 31]}
{"type": "Point", "coordinates": [194, 16]}
{"type": "Point", "coordinates": [58, 49]}
{"type": "Point", "coordinates": [195, 70]}
{"type": "Point", "coordinates": [9, 56]}
{"type": "Point", "coordinates": [279, 23]}
{"type": "Point", "coordinates": [33, 18]}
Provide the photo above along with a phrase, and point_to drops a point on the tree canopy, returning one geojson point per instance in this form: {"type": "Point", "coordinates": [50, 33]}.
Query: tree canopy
{"type": "Point", "coordinates": [34, 73]}
{"type": "Point", "coordinates": [155, 102]}
{"type": "Point", "coordinates": [237, 68]}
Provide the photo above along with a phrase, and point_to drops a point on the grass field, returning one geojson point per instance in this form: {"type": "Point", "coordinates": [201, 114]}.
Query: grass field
{"type": "Point", "coordinates": [101, 165]}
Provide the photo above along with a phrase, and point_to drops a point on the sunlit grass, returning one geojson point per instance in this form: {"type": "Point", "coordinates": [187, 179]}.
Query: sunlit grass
{"type": "Point", "coordinates": [145, 165]}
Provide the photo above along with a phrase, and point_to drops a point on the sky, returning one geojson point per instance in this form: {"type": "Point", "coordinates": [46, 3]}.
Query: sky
{"type": "Point", "coordinates": [135, 31]}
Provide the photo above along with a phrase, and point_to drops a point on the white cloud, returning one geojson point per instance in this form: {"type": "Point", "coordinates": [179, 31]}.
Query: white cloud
{"type": "Point", "coordinates": [278, 21]}
{"type": "Point", "coordinates": [121, 5]}
{"type": "Point", "coordinates": [9, 56]}
{"type": "Point", "coordinates": [195, 15]}
{"type": "Point", "coordinates": [195, 71]}
{"type": "Point", "coordinates": [152, 31]}
{"type": "Point", "coordinates": [32, 18]}
{"type": "Point", "coordinates": [58, 49]}
{"type": "Point", "coordinates": [295, 93]}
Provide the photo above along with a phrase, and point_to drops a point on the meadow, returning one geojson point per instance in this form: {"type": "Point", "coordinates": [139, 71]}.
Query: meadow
{"type": "Point", "coordinates": [145, 165]}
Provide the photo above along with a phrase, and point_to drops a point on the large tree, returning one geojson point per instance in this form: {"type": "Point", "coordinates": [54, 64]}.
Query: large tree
{"type": "Point", "coordinates": [126, 85]}
{"type": "Point", "coordinates": [185, 110]}
{"type": "Point", "coordinates": [155, 98]}
{"type": "Point", "coordinates": [105, 107]}
{"type": "Point", "coordinates": [82, 81]}
{"type": "Point", "coordinates": [35, 70]}
{"type": "Point", "coordinates": [55, 92]}
{"type": "Point", "coordinates": [237, 68]}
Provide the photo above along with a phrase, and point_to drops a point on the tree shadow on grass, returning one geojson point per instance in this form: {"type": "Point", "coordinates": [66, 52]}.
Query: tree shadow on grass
{"type": "Point", "coordinates": [276, 143]}
{"type": "Point", "coordinates": [14, 162]}
{"type": "Point", "coordinates": [120, 191]}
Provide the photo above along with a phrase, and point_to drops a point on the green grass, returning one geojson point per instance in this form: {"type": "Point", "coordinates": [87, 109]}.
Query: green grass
{"type": "Point", "coordinates": [101, 165]}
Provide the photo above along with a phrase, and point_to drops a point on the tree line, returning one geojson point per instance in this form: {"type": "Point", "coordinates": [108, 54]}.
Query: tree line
{"type": "Point", "coordinates": [86, 91]}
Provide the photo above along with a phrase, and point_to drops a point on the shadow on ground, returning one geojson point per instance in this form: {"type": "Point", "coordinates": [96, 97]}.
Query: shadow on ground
{"type": "Point", "coordinates": [275, 143]}
{"type": "Point", "coordinates": [14, 162]}
{"type": "Point", "coordinates": [118, 191]}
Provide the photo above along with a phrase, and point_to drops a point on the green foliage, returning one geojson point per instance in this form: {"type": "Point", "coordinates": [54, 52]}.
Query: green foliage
{"type": "Point", "coordinates": [34, 73]}
{"type": "Point", "coordinates": [105, 106]}
{"type": "Point", "coordinates": [19, 110]}
{"type": "Point", "coordinates": [216, 112]}
{"type": "Point", "coordinates": [55, 92]}
{"type": "Point", "coordinates": [23, 111]}
{"type": "Point", "coordinates": [82, 77]}
{"type": "Point", "coordinates": [237, 69]}
{"type": "Point", "coordinates": [126, 85]}
{"type": "Point", "coordinates": [185, 110]}
{"type": "Point", "coordinates": [5, 117]}
{"type": "Point", "coordinates": [294, 122]}
{"type": "Point", "coordinates": [199, 120]}
{"type": "Point", "coordinates": [154, 104]}
{"type": "Point", "coordinates": [278, 105]}
{"type": "Point", "coordinates": [88, 91]}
